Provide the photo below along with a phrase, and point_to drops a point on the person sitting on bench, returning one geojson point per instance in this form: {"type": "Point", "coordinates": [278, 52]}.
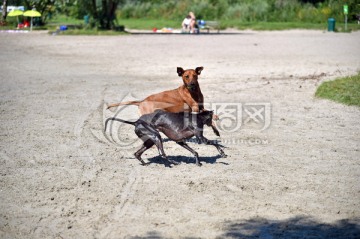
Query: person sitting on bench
{"type": "Point", "coordinates": [189, 23]}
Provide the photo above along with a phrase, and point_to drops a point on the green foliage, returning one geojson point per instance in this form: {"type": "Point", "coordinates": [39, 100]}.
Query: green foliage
{"type": "Point", "coordinates": [241, 10]}
{"type": "Point", "coordinates": [248, 11]}
{"type": "Point", "coordinates": [344, 90]}
{"type": "Point", "coordinates": [61, 19]}
{"type": "Point", "coordinates": [237, 13]}
{"type": "Point", "coordinates": [148, 24]}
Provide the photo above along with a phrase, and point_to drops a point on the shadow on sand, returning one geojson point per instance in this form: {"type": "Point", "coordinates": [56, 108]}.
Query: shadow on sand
{"type": "Point", "coordinates": [299, 227]}
{"type": "Point", "coordinates": [184, 159]}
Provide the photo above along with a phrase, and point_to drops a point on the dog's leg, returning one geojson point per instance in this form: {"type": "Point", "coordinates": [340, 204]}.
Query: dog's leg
{"type": "Point", "coordinates": [218, 147]}
{"type": "Point", "coordinates": [216, 131]}
{"type": "Point", "coordinates": [213, 125]}
{"type": "Point", "coordinates": [159, 145]}
{"type": "Point", "coordinates": [146, 135]}
{"type": "Point", "coordinates": [148, 132]}
{"type": "Point", "coordinates": [204, 140]}
{"type": "Point", "coordinates": [147, 144]}
{"type": "Point", "coordinates": [184, 145]}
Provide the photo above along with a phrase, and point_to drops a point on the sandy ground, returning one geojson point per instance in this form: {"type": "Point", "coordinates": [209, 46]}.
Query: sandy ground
{"type": "Point", "coordinates": [62, 177]}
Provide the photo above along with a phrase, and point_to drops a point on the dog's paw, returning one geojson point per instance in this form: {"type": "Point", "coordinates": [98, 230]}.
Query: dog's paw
{"type": "Point", "coordinates": [223, 155]}
{"type": "Point", "coordinates": [215, 117]}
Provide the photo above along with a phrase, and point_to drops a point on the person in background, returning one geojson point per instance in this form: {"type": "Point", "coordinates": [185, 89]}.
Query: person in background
{"type": "Point", "coordinates": [189, 23]}
{"type": "Point", "coordinates": [26, 23]}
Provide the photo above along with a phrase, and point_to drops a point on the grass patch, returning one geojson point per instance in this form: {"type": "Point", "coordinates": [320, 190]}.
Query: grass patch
{"type": "Point", "coordinates": [149, 24]}
{"type": "Point", "coordinates": [272, 26]}
{"type": "Point", "coordinates": [344, 90]}
{"type": "Point", "coordinates": [91, 32]}
{"type": "Point", "coordinates": [64, 20]}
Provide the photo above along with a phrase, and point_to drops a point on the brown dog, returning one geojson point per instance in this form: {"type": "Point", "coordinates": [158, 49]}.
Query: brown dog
{"type": "Point", "coordinates": [186, 98]}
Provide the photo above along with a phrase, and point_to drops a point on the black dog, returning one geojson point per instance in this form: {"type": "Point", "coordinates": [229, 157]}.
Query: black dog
{"type": "Point", "coordinates": [176, 126]}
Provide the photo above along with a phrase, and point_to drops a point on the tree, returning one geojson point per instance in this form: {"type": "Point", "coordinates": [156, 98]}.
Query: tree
{"type": "Point", "coordinates": [102, 11]}
{"type": "Point", "coordinates": [4, 12]}
{"type": "Point", "coordinates": [108, 13]}
{"type": "Point", "coordinates": [42, 6]}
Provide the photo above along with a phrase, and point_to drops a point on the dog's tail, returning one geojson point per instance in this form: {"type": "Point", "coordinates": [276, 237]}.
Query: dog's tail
{"type": "Point", "coordinates": [135, 102]}
{"type": "Point", "coordinates": [120, 120]}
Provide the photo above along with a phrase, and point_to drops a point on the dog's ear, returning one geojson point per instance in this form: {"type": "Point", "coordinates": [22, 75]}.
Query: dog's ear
{"type": "Point", "coordinates": [199, 69]}
{"type": "Point", "coordinates": [180, 71]}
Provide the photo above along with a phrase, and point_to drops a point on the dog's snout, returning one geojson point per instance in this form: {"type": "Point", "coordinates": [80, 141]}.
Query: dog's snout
{"type": "Point", "coordinates": [192, 85]}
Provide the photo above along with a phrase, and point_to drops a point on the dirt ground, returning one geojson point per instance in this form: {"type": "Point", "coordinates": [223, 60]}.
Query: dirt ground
{"type": "Point", "coordinates": [292, 170]}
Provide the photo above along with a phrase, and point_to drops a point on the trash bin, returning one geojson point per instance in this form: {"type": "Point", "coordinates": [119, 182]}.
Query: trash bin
{"type": "Point", "coordinates": [86, 19]}
{"type": "Point", "coordinates": [331, 24]}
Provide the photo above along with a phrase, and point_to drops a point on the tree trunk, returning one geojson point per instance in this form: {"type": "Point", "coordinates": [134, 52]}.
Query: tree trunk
{"type": "Point", "coordinates": [94, 10]}
{"type": "Point", "coordinates": [103, 22]}
{"type": "Point", "coordinates": [108, 10]}
{"type": "Point", "coordinates": [111, 15]}
{"type": "Point", "coordinates": [104, 13]}
{"type": "Point", "coordinates": [4, 11]}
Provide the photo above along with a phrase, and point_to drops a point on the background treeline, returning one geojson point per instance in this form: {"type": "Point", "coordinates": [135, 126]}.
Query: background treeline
{"type": "Point", "coordinates": [242, 10]}
{"type": "Point", "coordinates": [107, 14]}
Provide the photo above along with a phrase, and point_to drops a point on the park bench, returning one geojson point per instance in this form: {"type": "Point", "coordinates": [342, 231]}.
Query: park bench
{"type": "Point", "coordinates": [207, 25]}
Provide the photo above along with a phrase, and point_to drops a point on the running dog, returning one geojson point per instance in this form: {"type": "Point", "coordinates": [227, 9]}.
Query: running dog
{"type": "Point", "coordinates": [176, 126]}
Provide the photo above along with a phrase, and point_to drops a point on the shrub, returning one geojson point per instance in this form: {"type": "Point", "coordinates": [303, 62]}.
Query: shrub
{"type": "Point", "coordinates": [241, 10]}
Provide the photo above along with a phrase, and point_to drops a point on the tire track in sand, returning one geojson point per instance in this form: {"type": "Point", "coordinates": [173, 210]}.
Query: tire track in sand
{"type": "Point", "coordinates": [127, 194]}
{"type": "Point", "coordinates": [119, 211]}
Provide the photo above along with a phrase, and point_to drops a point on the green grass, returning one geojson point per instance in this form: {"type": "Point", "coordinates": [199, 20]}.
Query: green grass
{"type": "Point", "coordinates": [272, 25]}
{"type": "Point", "coordinates": [149, 24]}
{"type": "Point", "coordinates": [91, 32]}
{"type": "Point", "coordinates": [144, 24]}
{"type": "Point", "coordinates": [64, 20]}
{"type": "Point", "coordinates": [344, 90]}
